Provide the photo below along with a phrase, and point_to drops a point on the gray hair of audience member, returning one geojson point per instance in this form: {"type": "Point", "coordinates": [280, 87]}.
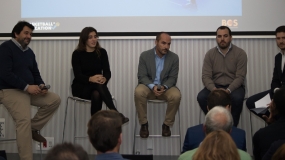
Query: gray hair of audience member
{"type": "Point", "coordinates": [218, 118]}
{"type": "Point", "coordinates": [67, 151]}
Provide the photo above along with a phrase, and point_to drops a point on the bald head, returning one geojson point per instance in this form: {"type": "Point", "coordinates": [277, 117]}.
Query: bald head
{"type": "Point", "coordinates": [218, 118]}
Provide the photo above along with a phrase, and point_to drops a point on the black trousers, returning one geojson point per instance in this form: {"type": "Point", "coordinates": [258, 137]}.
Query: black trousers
{"type": "Point", "coordinates": [97, 93]}
{"type": "Point", "coordinates": [252, 99]}
{"type": "Point", "coordinates": [237, 97]}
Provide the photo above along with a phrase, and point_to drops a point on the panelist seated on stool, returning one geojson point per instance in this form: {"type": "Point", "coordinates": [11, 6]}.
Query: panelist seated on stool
{"type": "Point", "coordinates": [91, 69]}
{"type": "Point", "coordinates": [21, 86]}
{"type": "Point", "coordinates": [157, 75]}
{"type": "Point", "coordinates": [278, 78]}
{"type": "Point", "coordinates": [224, 67]}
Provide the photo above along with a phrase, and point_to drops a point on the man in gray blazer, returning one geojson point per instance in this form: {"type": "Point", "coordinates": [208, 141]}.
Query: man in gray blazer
{"type": "Point", "coordinates": [157, 76]}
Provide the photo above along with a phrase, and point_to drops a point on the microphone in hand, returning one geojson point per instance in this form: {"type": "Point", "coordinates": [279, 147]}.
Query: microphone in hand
{"type": "Point", "coordinates": [45, 87]}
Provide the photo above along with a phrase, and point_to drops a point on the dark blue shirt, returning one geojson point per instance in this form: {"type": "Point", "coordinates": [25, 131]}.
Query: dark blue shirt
{"type": "Point", "coordinates": [195, 135]}
{"type": "Point", "coordinates": [109, 156]}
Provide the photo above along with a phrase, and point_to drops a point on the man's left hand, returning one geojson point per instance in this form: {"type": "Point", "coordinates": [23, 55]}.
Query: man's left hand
{"type": "Point", "coordinates": [43, 90]}
{"type": "Point", "coordinates": [158, 92]}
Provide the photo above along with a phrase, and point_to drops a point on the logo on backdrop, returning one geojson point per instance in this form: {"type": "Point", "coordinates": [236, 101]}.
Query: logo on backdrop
{"type": "Point", "coordinates": [230, 22]}
{"type": "Point", "coordinates": [45, 26]}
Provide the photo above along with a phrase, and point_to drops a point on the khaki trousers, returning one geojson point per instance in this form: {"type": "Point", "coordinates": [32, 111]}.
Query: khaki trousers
{"type": "Point", "coordinates": [18, 104]}
{"type": "Point", "coordinates": [172, 96]}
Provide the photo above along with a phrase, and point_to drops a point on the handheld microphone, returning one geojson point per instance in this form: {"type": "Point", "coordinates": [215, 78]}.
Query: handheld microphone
{"type": "Point", "coordinates": [158, 87]}
{"type": "Point", "coordinates": [45, 87]}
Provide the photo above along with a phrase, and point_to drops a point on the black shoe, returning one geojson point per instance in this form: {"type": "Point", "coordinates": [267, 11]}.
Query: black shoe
{"type": "Point", "coordinates": [166, 130]}
{"type": "Point", "coordinates": [124, 119]}
{"type": "Point", "coordinates": [37, 137]}
{"type": "Point", "coordinates": [144, 131]}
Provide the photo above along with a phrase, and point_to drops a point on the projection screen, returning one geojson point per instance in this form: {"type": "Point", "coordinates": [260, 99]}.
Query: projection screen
{"type": "Point", "coordinates": [65, 16]}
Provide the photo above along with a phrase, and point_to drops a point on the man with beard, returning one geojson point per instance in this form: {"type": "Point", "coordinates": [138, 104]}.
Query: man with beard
{"type": "Point", "coordinates": [157, 76]}
{"type": "Point", "coordinates": [278, 78]}
{"type": "Point", "coordinates": [21, 86]}
{"type": "Point", "coordinates": [225, 68]}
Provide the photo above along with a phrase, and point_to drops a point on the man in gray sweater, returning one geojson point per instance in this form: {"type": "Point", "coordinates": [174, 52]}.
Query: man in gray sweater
{"type": "Point", "coordinates": [225, 68]}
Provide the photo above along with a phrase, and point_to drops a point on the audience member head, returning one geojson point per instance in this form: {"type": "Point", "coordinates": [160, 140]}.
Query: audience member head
{"type": "Point", "coordinates": [219, 97]}
{"type": "Point", "coordinates": [217, 145]}
{"type": "Point", "coordinates": [279, 101]}
{"type": "Point", "coordinates": [67, 151]}
{"type": "Point", "coordinates": [88, 40]}
{"type": "Point", "coordinates": [279, 154]}
{"type": "Point", "coordinates": [218, 118]}
{"type": "Point", "coordinates": [162, 42]}
{"type": "Point", "coordinates": [20, 26]}
{"type": "Point", "coordinates": [105, 131]}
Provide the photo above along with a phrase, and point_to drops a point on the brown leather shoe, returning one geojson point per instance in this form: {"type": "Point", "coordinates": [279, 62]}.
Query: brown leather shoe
{"type": "Point", "coordinates": [144, 131]}
{"type": "Point", "coordinates": [124, 119]}
{"type": "Point", "coordinates": [166, 130]}
{"type": "Point", "coordinates": [37, 137]}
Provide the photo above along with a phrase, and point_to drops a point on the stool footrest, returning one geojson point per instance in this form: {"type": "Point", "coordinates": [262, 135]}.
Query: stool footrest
{"type": "Point", "coordinates": [7, 139]}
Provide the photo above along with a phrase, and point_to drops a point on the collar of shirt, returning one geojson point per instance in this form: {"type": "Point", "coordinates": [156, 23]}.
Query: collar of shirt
{"type": "Point", "coordinates": [227, 51]}
{"type": "Point", "coordinates": [19, 45]}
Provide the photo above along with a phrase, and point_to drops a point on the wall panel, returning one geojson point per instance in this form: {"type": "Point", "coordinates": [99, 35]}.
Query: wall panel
{"type": "Point", "coordinates": [54, 61]}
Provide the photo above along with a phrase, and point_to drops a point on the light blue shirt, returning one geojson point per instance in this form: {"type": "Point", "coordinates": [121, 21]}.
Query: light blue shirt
{"type": "Point", "coordinates": [159, 63]}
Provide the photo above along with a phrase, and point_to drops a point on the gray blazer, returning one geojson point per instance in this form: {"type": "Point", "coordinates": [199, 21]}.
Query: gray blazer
{"type": "Point", "coordinates": [147, 68]}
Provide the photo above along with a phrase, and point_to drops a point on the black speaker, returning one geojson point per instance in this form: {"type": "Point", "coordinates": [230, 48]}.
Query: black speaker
{"type": "Point", "coordinates": [3, 154]}
{"type": "Point", "coordinates": [137, 157]}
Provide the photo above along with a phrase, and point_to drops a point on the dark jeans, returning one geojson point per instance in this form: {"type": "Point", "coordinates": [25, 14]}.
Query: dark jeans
{"type": "Point", "coordinates": [251, 100]}
{"type": "Point", "coordinates": [237, 97]}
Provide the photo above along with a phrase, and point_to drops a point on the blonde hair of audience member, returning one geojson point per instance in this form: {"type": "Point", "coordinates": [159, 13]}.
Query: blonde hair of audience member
{"type": "Point", "coordinates": [279, 154]}
{"type": "Point", "coordinates": [67, 151]}
{"type": "Point", "coordinates": [218, 145]}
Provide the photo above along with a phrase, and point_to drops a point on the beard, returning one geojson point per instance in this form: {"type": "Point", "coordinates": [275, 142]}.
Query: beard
{"type": "Point", "coordinates": [281, 46]}
{"type": "Point", "coordinates": [224, 45]}
{"type": "Point", "coordinates": [24, 42]}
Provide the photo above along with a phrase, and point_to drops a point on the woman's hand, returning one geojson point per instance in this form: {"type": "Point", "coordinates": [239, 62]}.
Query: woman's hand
{"type": "Point", "coordinates": [102, 80]}
{"type": "Point", "coordinates": [98, 78]}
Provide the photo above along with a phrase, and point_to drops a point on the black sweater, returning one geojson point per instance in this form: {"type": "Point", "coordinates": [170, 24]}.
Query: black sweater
{"type": "Point", "coordinates": [87, 64]}
{"type": "Point", "coordinates": [17, 68]}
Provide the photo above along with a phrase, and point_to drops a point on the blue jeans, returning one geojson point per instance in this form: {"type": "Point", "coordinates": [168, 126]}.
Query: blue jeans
{"type": "Point", "coordinates": [237, 97]}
